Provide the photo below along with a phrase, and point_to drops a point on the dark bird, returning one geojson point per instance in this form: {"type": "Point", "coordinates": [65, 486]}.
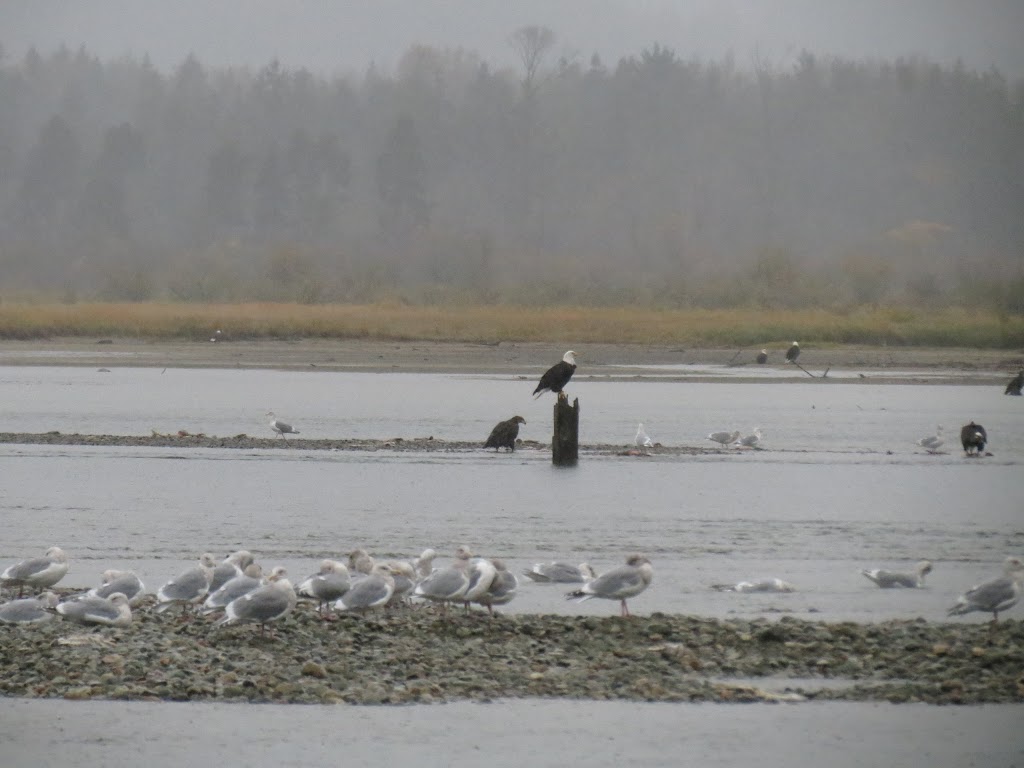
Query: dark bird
{"type": "Point", "coordinates": [793, 353]}
{"type": "Point", "coordinates": [973, 437]}
{"type": "Point", "coordinates": [762, 357]}
{"type": "Point", "coordinates": [505, 433]}
{"type": "Point", "coordinates": [557, 376]}
{"type": "Point", "coordinates": [1015, 385]}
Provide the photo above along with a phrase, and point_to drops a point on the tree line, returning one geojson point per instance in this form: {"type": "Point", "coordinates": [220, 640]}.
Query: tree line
{"type": "Point", "coordinates": [660, 180]}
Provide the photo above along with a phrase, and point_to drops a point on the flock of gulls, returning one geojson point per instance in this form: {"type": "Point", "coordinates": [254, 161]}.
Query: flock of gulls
{"type": "Point", "coordinates": [236, 590]}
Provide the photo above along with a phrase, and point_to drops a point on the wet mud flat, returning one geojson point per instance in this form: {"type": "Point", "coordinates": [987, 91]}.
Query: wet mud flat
{"type": "Point", "coordinates": [419, 654]}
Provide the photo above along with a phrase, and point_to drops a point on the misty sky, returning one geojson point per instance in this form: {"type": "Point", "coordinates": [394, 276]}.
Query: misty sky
{"type": "Point", "coordinates": [343, 36]}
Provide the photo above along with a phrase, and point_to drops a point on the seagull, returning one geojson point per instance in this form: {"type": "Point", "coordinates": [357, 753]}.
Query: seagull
{"type": "Point", "coordinates": [995, 595]}
{"type": "Point", "coordinates": [619, 583]}
{"type": "Point", "coordinates": [244, 583]}
{"type": "Point", "coordinates": [933, 442]}
{"type": "Point", "coordinates": [231, 566]}
{"type": "Point", "coordinates": [112, 611]}
{"type": "Point", "coordinates": [40, 572]}
{"type": "Point", "coordinates": [764, 585]}
{"type": "Point", "coordinates": [893, 579]}
{"type": "Point", "coordinates": [642, 440]}
{"type": "Point", "coordinates": [481, 572]}
{"type": "Point", "coordinates": [560, 573]}
{"type": "Point", "coordinates": [404, 575]}
{"type": "Point", "coordinates": [424, 564]}
{"type": "Point", "coordinates": [125, 582]}
{"type": "Point", "coordinates": [503, 587]}
{"type": "Point", "coordinates": [447, 585]}
{"type": "Point", "coordinates": [793, 352]}
{"type": "Point", "coordinates": [762, 357]}
{"type": "Point", "coordinates": [281, 427]}
{"type": "Point", "coordinates": [271, 602]}
{"type": "Point", "coordinates": [372, 591]}
{"type": "Point", "coordinates": [187, 588]}
{"type": "Point", "coordinates": [753, 440]}
{"type": "Point", "coordinates": [328, 585]}
{"type": "Point", "coordinates": [725, 438]}
{"type": "Point", "coordinates": [30, 610]}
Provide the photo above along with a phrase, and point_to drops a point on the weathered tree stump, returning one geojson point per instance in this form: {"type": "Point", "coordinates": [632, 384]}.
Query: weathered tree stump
{"type": "Point", "coordinates": [565, 442]}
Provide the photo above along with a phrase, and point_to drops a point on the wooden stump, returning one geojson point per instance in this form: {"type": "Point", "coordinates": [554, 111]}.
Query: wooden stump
{"type": "Point", "coordinates": [565, 442]}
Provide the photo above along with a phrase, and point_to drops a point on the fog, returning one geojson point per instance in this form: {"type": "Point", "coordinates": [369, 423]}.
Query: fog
{"type": "Point", "coordinates": [663, 153]}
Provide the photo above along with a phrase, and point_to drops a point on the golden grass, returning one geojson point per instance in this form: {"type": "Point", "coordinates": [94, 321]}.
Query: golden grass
{"type": "Point", "coordinates": [744, 327]}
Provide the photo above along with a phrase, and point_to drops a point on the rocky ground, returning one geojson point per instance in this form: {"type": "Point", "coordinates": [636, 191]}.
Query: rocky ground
{"type": "Point", "coordinates": [419, 655]}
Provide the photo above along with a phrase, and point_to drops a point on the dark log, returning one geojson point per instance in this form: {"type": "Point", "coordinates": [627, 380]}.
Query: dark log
{"type": "Point", "coordinates": [565, 441]}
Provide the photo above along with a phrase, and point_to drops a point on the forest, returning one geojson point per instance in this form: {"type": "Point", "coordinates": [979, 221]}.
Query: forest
{"type": "Point", "coordinates": [658, 181]}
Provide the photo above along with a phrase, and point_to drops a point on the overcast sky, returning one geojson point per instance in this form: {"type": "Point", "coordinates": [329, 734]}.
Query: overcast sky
{"type": "Point", "coordinates": [343, 36]}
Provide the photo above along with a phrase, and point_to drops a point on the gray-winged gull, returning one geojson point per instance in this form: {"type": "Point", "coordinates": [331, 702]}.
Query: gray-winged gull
{"type": "Point", "coordinates": [405, 580]}
{"type": "Point", "coordinates": [447, 585]}
{"type": "Point", "coordinates": [764, 585]}
{"type": "Point", "coordinates": [189, 587]}
{"type": "Point", "coordinates": [29, 610]}
{"type": "Point", "coordinates": [251, 578]}
{"type": "Point", "coordinates": [932, 443]}
{"type": "Point", "coordinates": [753, 440]}
{"type": "Point", "coordinates": [372, 591]}
{"type": "Point", "coordinates": [725, 438]}
{"type": "Point", "coordinates": [126, 582]}
{"type": "Point", "coordinates": [331, 582]}
{"type": "Point", "coordinates": [897, 579]}
{"type": "Point", "coordinates": [481, 572]}
{"type": "Point", "coordinates": [231, 566]}
{"type": "Point", "coordinates": [560, 573]}
{"type": "Point", "coordinates": [619, 583]}
{"type": "Point", "coordinates": [642, 439]}
{"type": "Point", "coordinates": [502, 589]}
{"type": "Point", "coordinates": [995, 595]}
{"type": "Point", "coordinates": [424, 564]}
{"type": "Point", "coordinates": [37, 572]}
{"type": "Point", "coordinates": [112, 611]}
{"type": "Point", "coordinates": [270, 602]}
{"type": "Point", "coordinates": [282, 428]}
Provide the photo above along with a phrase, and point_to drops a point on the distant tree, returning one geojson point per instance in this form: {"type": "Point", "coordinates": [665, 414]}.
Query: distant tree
{"type": "Point", "coordinates": [401, 180]}
{"type": "Point", "coordinates": [532, 44]}
{"type": "Point", "coordinates": [102, 208]}
{"type": "Point", "coordinates": [50, 175]}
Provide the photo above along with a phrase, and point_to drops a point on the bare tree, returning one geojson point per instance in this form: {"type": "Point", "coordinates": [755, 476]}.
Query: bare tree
{"type": "Point", "coordinates": [532, 44]}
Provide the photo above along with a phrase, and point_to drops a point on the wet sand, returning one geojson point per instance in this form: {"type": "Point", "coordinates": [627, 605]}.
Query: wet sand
{"type": "Point", "coordinates": [504, 358]}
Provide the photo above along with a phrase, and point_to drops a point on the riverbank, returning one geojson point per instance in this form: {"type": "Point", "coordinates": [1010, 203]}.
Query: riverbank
{"type": "Point", "coordinates": [419, 655]}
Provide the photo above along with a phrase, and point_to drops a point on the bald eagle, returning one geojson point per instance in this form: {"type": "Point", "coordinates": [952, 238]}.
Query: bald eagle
{"type": "Point", "coordinates": [557, 376]}
{"type": "Point", "coordinates": [1015, 385]}
{"type": "Point", "coordinates": [793, 352]}
{"type": "Point", "coordinates": [973, 437]}
{"type": "Point", "coordinates": [504, 434]}
{"type": "Point", "coordinates": [762, 357]}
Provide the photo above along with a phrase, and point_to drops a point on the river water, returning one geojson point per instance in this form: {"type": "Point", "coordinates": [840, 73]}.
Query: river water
{"type": "Point", "coordinates": [839, 486]}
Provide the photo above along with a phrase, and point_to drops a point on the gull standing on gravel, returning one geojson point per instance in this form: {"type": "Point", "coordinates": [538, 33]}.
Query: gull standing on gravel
{"type": "Point", "coordinates": [560, 573]}
{"type": "Point", "coordinates": [424, 564]}
{"type": "Point", "coordinates": [932, 443]}
{"type": "Point", "coordinates": [725, 438]}
{"type": "Point", "coordinates": [112, 611]}
{"type": "Point", "coordinates": [619, 583]}
{"type": "Point", "coordinates": [232, 589]}
{"type": "Point", "coordinates": [231, 566]}
{"type": "Point", "coordinates": [125, 582]}
{"type": "Point", "coordinates": [326, 586]}
{"type": "Point", "coordinates": [372, 591]}
{"type": "Point", "coordinates": [642, 440]}
{"type": "Point", "coordinates": [503, 587]}
{"type": "Point", "coordinates": [897, 579]}
{"type": "Point", "coordinates": [753, 440]}
{"type": "Point", "coordinates": [282, 428]}
{"type": "Point", "coordinates": [30, 610]}
{"type": "Point", "coordinates": [995, 595]}
{"type": "Point", "coordinates": [189, 587]}
{"type": "Point", "coordinates": [481, 573]}
{"type": "Point", "coordinates": [271, 602]}
{"type": "Point", "coordinates": [39, 572]}
{"type": "Point", "coordinates": [447, 585]}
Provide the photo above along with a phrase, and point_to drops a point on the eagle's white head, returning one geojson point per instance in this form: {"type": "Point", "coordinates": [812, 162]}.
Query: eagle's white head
{"type": "Point", "coordinates": [569, 357]}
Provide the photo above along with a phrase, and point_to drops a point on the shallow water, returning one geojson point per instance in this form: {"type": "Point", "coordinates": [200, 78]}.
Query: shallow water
{"type": "Point", "coordinates": [509, 733]}
{"type": "Point", "coordinates": [823, 500]}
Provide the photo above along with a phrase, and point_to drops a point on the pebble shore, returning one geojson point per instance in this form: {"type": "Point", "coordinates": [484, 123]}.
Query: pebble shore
{"type": "Point", "coordinates": [417, 654]}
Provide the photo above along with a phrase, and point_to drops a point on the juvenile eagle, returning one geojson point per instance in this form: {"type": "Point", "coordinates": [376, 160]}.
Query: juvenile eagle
{"type": "Point", "coordinates": [505, 433]}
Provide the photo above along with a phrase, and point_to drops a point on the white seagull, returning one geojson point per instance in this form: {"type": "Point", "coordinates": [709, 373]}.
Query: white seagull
{"type": "Point", "coordinates": [642, 440]}
{"type": "Point", "coordinates": [38, 572]}
{"type": "Point", "coordinates": [753, 440]}
{"type": "Point", "coordinates": [189, 587]}
{"type": "Point", "coordinates": [125, 582]}
{"type": "Point", "coordinates": [995, 595]}
{"type": "Point", "coordinates": [560, 573]}
{"type": "Point", "coordinates": [725, 438]}
{"type": "Point", "coordinates": [30, 610]}
{"type": "Point", "coordinates": [896, 579]}
{"type": "Point", "coordinates": [282, 428]}
{"type": "Point", "coordinates": [619, 583]}
{"type": "Point", "coordinates": [112, 611]}
{"type": "Point", "coordinates": [932, 443]}
{"type": "Point", "coordinates": [271, 602]}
